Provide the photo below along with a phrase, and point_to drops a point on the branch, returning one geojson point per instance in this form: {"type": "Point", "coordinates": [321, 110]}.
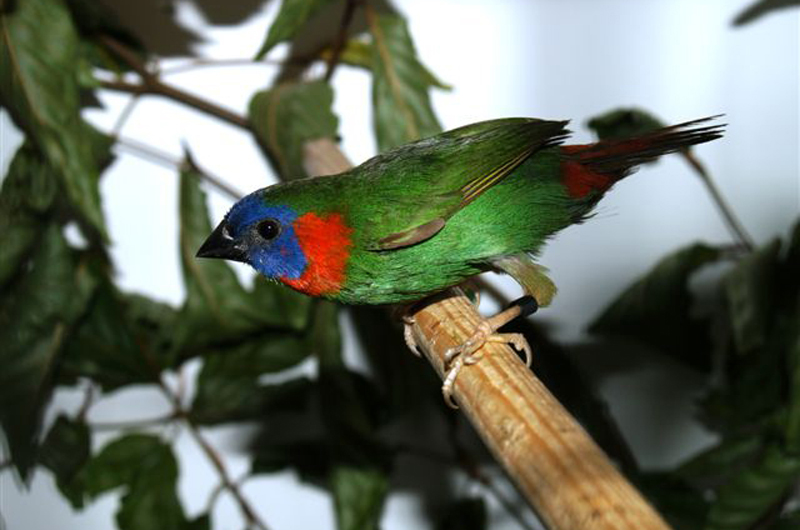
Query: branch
{"type": "Point", "coordinates": [157, 156]}
{"type": "Point", "coordinates": [734, 224]}
{"type": "Point", "coordinates": [557, 467]}
{"type": "Point", "coordinates": [341, 38]}
{"type": "Point", "coordinates": [152, 85]}
{"type": "Point", "coordinates": [134, 424]}
{"type": "Point", "coordinates": [250, 515]}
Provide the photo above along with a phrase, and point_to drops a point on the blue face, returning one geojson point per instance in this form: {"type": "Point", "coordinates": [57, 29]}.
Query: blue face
{"type": "Point", "coordinates": [266, 236]}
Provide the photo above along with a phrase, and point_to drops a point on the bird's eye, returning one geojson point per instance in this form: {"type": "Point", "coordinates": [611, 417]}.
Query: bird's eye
{"type": "Point", "coordinates": [268, 229]}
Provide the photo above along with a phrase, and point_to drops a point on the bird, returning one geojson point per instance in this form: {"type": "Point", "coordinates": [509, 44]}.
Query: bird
{"type": "Point", "coordinates": [428, 215]}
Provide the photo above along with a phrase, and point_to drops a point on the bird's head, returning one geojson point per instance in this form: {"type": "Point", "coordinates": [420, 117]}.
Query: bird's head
{"type": "Point", "coordinates": [303, 249]}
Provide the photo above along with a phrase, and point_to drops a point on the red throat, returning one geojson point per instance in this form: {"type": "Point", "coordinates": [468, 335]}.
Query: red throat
{"type": "Point", "coordinates": [325, 242]}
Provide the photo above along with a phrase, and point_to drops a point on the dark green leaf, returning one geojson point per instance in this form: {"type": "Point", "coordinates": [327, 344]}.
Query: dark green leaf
{"type": "Point", "coordinates": [402, 107]}
{"type": "Point", "coordinates": [223, 397]}
{"type": "Point", "coordinates": [656, 309]}
{"type": "Point", "coordinates": [115, 344]}
{"type": "Point", "coordinates": [42, 95]}
{"type": "Point", "coordinates": [724, 459]}
{"type": "Point", "coordinates": [64, 452]}
{"type": "Point", "coordinates": [760, 8]}
{"type": "Point", "coordinates": [358, 496]}
{"type": "Point", "coordinates": [148, 471]}
{"type": "Point", "coordinates": [289, 115]}
{"type": "Point", "coordinates": [750, 293]}
{"type": "Point", "coordinates": [790, 521]}
{"type": "Point", "coordinates": [309, 458]}
{"type": "Point", "coordinates": [793, 412]}
{"type": "Point", "coordinates": [27, 194]}
{"type": "Point", "coordinates": [755, 491]}
{"type": "Point", "coordinates": [291, 17]}
{"type": "Point", "coordinates": [682, 506]}
{"type": "Point", "coordinates": [406, 382]}
{"type": "Point", "coordinates": [360, 53]}
{"type": "Point", "coordinates": [218, 310]}
{"type": "Point", "coordinates": [36, 315]}
{"type": "Point", "coordinates": [623, 123]}
{"type": "Point", "coordinates": [464, 514]}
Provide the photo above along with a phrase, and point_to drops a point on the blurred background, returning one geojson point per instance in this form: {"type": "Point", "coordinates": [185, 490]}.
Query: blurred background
{"type": "Point", "coordinates": [571, 59]}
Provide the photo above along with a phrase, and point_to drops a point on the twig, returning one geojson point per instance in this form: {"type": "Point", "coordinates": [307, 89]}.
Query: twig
{"type": "Point", "coordinates": [133, 424]}
{"type": "Point", "coordinates": [88, 401]}
{"type": "Point", "coordinates": [152, 85]}
{"type": "Point", "coordinates": [162, 158]}
{"type": "Point", "coordinates": [194, 64]}
{"type": "Point", "coordinates": [156, 87]}
{"type": "Point", "coordinates": [341, 38]}
{"type": "Point", "coordinates": [250, 515]}
{"type": "Point", "coordinates": [124, 115]}
{"type": "Point", "coordinates": [734, 224]}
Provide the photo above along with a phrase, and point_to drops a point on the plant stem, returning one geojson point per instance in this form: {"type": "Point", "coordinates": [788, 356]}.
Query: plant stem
{"type": "Point", "coordinates": [341, 38]}
{"type": "Point", "coordinates": [152, 85]}
{"type": "Point", "coordinates": [251, 517]}
{"type": "Point", "coordinates": [134, 424]}
{"type": "Point", "coordinates": [155, 155]}
{"type": "Point", "coordinates": [735, 226]}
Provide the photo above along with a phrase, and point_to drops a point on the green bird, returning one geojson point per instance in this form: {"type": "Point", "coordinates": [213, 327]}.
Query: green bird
{"type": "Point", "coordinates": [428, 215]}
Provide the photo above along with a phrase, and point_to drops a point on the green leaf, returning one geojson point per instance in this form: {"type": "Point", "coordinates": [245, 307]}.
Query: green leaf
{"type": "Point", "coordinates": [64, 452]}
{"type": "Point", "coordinates": [793, 412]}
{"type": "Point", "coordinates": [760, 8]}
{"type": "Point", "coordinates": [684, 507]}
{"type": "Point", "coordinates": [358, 496]}
{"type": "Point", "coordinates": [656, 309]}
{"type": "Point", "coordinates": [351, 406]}
{"type": "Point", "coordinates": [43, 96]}
{"type": "Point", "coordinates": [147, 470]}
{"type": "Point", "coordinates": [402, 107]}
{"type": "Point", "coordinates": [789, 521]}
{"type": "Point", "coordinates": [289, 115]}
{"type": "Point", "coordinates": [722, 460]}
{"type": "Point", "coordinates": [218, 310]}
{"type": "Point", "coordinates": [624, 123]}
{"type": "Point", "coordinates": [749, 289]}
{"type": "Point", "coordinates": [360, 53]}
{"type": "Point", "coordinates": [291, 17]}
{"type": "Point", "coordinates": [309, 458]}
{"type": "Point", "coordinates": [36, 315]}
{"type": "Point", "coordinates": [121, 341]}
{"type": "Point", "coordinates": [755, 491]}
{"type": "Point", "coordinates": [464, 514]}
{"type": "Point", "coordinates": [223, 397]}
{"type": "Point", "coordinates": [28, 192]}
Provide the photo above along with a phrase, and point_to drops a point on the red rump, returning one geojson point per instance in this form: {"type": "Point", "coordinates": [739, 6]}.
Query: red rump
{"type": "Point", "coordinates": [579, 178]}
{"type": "Point", "coordinates": [325, 242]}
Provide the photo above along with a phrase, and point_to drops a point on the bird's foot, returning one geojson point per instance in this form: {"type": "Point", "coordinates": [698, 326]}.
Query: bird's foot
{"type": "Point", "coordinates": [408, 334]}
{"type": "Point", "coordinates": [470, 351]}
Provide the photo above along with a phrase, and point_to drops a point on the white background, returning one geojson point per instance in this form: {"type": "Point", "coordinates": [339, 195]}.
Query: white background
{"type": "Point", "coordinates": [573, 59]}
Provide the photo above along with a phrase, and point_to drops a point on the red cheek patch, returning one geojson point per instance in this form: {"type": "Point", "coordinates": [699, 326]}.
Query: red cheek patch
{"type": "Point", "coordinates": [325, 242]}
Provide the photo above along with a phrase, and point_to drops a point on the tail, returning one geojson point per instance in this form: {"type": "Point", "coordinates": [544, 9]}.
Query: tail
{"type": "Point", "coordinates": [596, 167]}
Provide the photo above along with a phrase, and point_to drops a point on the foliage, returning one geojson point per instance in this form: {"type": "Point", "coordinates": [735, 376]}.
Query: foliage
{"type": "Point", "coordinates": [64, 323]}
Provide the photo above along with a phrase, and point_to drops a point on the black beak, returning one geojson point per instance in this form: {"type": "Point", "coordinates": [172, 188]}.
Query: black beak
{"type": "Point", "coordinates": [221, 245]}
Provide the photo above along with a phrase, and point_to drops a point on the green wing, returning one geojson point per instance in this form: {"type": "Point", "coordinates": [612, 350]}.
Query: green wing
{"type": "Point", "coordinates": [416, 188]}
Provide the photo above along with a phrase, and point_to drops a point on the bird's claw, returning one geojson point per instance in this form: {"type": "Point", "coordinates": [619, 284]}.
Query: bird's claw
{"type": "Point", "coordinates": [408, 335]}
{"type": "Point", "coordinates": [471, 350]}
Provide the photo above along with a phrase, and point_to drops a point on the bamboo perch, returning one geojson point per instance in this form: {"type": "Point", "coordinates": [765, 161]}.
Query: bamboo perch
{"type": "Point", "coordinates": [563, 474]}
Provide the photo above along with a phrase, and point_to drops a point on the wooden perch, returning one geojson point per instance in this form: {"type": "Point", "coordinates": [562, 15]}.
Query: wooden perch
{"type": "Point", "coordinates": [567, 479]}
